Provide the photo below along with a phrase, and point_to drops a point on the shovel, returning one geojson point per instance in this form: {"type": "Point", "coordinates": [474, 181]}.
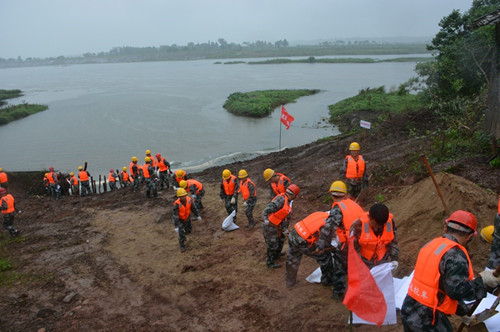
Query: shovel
{"type": "Point", "coordinates": [488, 313]}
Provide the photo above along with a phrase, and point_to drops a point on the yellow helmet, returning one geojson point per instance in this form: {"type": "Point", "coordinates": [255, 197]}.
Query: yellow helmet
{"type": "Point", "coordinates": [179, 173]}
{"type": "Point", "coordinates": [148, 151]}
{"type": "Point", "coordinates": [268, 174]}
{"type": "Point", "coordinates": [72, 173]}
{"type": "Point", "coordinates": [1, 169]}
{"type": "Point", "coordinates": [124, 168]}
{"type": "Point", "coordinates": [181, 192]}
{"type": "Point", "coordinates": [147, 159]}
{"type": "Point", "coordinates": [134, 159]}
{"type": "Point", "coordinates": [354, 146]}
{"type": "Point", "coordinates": [226, 174]}
{"type": "Point", "coordinates": [242, 174]}
{"type": "Point", "coordinates": [80, 168]}
{"type": "Point", "coordinates": [487, 233]}
{"type": "Point", "coordinates": [183, 184]}
{"type": "Point", "coordinates": [338, 188]}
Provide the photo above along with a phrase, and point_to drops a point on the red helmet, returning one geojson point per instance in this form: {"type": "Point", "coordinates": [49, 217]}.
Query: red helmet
{"type": "Point", "coordinates": [294, 189]}
{"type": "Point", "coordinates": [158, 156]}
{"type": "Point", "coordinates": [464, 218]}
{"type": "Point", "coordinates": [51, 169]}
{"type": "Point", "coordinates": [111, 171]}
{"type": "Point", "coordinates": [3, 191]}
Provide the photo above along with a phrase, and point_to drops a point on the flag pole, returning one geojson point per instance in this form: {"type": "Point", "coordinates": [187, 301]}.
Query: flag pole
{"type": "Point", "coordinates": [280, 128]}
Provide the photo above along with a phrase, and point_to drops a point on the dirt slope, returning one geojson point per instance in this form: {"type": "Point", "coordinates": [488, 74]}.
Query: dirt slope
{"type": "Point", "coordinates": [112, 262]}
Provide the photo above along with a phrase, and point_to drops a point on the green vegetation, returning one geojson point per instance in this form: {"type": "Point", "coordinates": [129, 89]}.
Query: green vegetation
{"type": "Point", "coordinates": [221, 49]}
{"type": "Point", "coordinates": [259, 104]}
{"type": "Point", "coordinates": [312, 59]}
{"type": "Point", "coordinates": [450, 92]}
{"type": "Point", "coordinates": [16, 112]}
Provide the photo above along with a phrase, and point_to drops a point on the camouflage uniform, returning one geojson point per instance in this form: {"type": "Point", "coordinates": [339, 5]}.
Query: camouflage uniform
{"type": "Point", "coordinates": [353, 186]}
{"type": "Point", "coordinates": [227, 198]}
{"type": "Point", "coordinates": [8, 218]}
{"type": "Point", "coordinates": [184, 227]}
{"type": "Point", "coordinates": [151, 182]}
{"type": "Point", "coordinates": [297, 247]}
{"type": "Point", "coordinates": [494, 259]}
{"type": "Point", "coordinates": [250, 205]}
{"type": "Point", "coordinates": [196, 196]}
{"type": "Point", "coordinates": [392, 253]}
{"type": "Point", "coordinates": [454, 271]}
{"type": "Point", "coordinates": [274, 235]}
{"type": "Point", "coordinates": [339, 261]}
{"type": "Point", "coordinates": [112, 184]}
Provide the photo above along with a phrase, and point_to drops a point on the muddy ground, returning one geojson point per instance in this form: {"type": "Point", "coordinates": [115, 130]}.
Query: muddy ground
{"type": "Point", "coordinates": [111, 262]}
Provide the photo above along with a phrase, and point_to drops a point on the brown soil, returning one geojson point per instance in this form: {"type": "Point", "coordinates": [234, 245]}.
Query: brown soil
{"type": "Point", "coordinates": [112, 262]}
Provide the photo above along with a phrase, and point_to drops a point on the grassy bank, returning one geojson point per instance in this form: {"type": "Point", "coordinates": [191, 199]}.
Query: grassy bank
{"type": "Point", "coordinates": [312, 59]}
{"type": "Point", "coordinates": [16, 112]}
{"type": "Point", "coordinates": [259, 104]}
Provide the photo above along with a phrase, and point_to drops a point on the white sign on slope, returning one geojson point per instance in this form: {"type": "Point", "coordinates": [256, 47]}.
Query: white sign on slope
{"type": "Point", "coordinates": [365, 124]}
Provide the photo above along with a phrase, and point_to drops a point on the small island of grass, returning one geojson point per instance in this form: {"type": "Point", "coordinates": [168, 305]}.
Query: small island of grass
{"type": "Point", "coordinates": [9, 113]}
{"type": "Point", "coordinates": [258, 104]}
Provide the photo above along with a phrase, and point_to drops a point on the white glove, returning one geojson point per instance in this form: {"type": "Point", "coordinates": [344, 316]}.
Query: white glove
{"type": "Point", "coordinates": [245, 203]}
{"type": "Point", "coordinates": [199, 218]}
{"type": "Point", "coordinates": [266, 222]}
{"type": "Point", "coordinates": [233, 200]}
{"type": "Point", "coordinates": [176, 229]}
{"type": "Point", "coordinates": [285, 232]}
{"type": "Point", "coordinates": [489, 279]}
{"type": "Point", "coordinates": [193, 197]}
{"type": "Point", "coordinates": [395, 265]}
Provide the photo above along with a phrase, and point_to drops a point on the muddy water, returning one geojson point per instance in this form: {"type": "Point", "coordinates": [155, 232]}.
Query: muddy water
{"type": "Point", "coordinates": [104, 114]}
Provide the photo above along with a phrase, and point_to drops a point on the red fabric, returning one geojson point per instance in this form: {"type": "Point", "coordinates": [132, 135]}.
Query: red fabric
{"type": "Point", "coordinates": [286, 118]}
{"type": "Point", "coordinates": [363, 297]}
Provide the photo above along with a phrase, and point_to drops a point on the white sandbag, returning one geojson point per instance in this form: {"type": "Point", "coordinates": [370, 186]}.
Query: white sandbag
{"type": "Point", "coordinates": [228, 223]}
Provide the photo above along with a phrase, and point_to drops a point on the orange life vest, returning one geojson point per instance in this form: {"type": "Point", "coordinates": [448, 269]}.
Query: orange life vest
{"type": "Point", "coordinates": [145, 171]}
{"type": "Point", "coordinates": [351, 211]}
{"type": "Point", "coordinates": [131, 168]}
{"type": "Point", "coordinates": [153, 161]}
{"type": "Point", "coordinates": [309, 227]}
{"type": "Point", "coordinates": [3, 177]}
{"type": "Point", "coordinates": [355, 169]}
{"type": "Point", "coordinates": [50, 177]}
{"type": "Point", "coordinates": [279, 187]}
{"type": "Point", "coordinates": [162, 165]}
{"type": "Point", "coordinates": [245, 192]}
{"type": "Point", "coordinates": [9, 199]}
{"type": "Point", "coordinates": [277, 217]}
{"type": "Point", "coordinates": [111, 178]}
{"type": "Point", "coordinates": [74, 181]}
{"type": "Point", "coordinates": [125, 176]}
{"type": "Point", "coordinates": [372, 245]}
{"type": "Point", "coordinates": [424, 285]}
{"type": "Point", "coordinates": [198, 185]}
{"type": "Point", "coordinates": [83, 175]}
{"type": "Point", "coordinates": [184, 210]}
{"type": "Point", "coordinates": [229, 185]}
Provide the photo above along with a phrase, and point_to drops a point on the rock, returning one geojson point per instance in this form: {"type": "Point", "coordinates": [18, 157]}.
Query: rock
{"type": "Point", "coordinates": [69, 297]}
{"type": "Point", "coordinates": [45, 312]}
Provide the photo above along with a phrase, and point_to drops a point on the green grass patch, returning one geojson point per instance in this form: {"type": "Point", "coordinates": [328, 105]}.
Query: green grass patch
{"type": "Point", "coordinates": [259, 104]}
{"type": "Point", "coordinates": [16, 112]}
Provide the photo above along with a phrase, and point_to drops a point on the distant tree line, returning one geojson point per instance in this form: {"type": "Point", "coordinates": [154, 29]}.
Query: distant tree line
{"type": "Point", "coordinates": [222, 50]}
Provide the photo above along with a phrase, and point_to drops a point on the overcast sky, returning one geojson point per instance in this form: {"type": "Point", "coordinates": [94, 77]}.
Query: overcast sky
{"type": "Point", "coordinates": [44, 28]}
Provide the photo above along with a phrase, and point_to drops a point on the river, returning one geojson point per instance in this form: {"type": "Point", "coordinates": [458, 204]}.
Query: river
{"type": "Point", "coordinates": [106, 113]}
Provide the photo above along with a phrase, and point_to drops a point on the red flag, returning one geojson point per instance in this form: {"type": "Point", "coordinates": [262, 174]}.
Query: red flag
{"type": "Point", "coordinates": [363, 297]}
{"type": "Point", "coordinates": [286, 118]}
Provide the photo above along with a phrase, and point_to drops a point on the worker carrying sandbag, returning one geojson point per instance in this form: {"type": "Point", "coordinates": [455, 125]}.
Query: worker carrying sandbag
{"type": "Point", "coordinates": [229, 188]}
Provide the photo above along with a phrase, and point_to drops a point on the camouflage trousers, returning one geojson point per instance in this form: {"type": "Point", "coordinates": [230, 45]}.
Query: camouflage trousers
{"type": "Point", "coordinates": [54, 191]}
{"type": "Point", "coordinates": [418, 317]}
{"type": "Point", "coordinates": [197, 199]}
{"type": "Point", "coordinates": [230, 207]}
{"type": "Point", "coordinates": [164, 176]}
{"type": "Point", "coordinates": [112, 186]}
{"type": "Point", "coordinates": [151, 187]}
{"type": "Point", "coordinates": [137, 182]}
{"type": "Point", "coordinates": [85, 188]}
{"type": "Point", "coordinates": [251, 202]}
{"type": "Point", "coordinates": [297, 247]}
{"type": "Point", "coordinates": [74, 190]}
{"type": "Point", "coordinates": [275, 240]}
{"type": "Point", "coordinates": [494, 259]}
{"type": "Point", "coordinates": [185, 227]}
{"type": "Point", "coordinates": [8, 223]}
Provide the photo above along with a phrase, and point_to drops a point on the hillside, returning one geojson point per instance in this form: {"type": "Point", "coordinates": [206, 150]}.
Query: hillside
{"type": "Point", "coordinates": [112, 262]}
